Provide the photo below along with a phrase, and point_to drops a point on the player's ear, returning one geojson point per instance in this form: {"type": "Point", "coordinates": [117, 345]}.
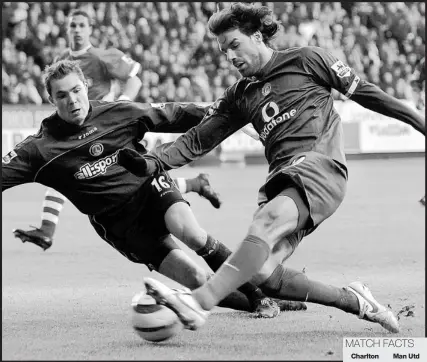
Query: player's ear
{"type": "Point", "coordinates": [256, 36]}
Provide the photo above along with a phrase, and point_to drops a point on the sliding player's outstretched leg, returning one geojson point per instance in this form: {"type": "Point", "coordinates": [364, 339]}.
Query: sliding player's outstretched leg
{"type": "Point", "coordinates": [181, 222]}
{"type": "Point", "coordinates": [276, 221]}
{"type": "Point", "coordinates": [356, 298]}
{"type": "Point", "coordinates": [43, 236]}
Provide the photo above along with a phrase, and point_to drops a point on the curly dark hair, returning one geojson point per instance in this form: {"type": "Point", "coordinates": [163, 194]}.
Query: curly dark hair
{"type": "Point", "coordinates": [247, 18]}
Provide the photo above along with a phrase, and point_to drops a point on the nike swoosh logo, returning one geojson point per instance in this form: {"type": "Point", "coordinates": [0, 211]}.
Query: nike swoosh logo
{"type": "Point", "coordinates": [373, 305]}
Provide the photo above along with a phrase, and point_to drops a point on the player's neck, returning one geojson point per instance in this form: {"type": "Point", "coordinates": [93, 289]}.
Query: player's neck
{"type": "Point", "coordinates": [266, 56]}
{"type": "Point", "coordinates": [77, 52]}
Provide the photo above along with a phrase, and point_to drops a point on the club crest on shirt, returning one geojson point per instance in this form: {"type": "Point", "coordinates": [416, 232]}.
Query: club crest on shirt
{"type": "Point", "coordinates": [266, 89]}
{"type": "Point", "coordinates": [96, 149]}
{"type": "Point", "coordinates": [342, 70]}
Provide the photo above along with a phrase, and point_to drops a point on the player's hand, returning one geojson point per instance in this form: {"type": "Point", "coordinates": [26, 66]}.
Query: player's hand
{"type": "Point", "coordinates": [135, 163]}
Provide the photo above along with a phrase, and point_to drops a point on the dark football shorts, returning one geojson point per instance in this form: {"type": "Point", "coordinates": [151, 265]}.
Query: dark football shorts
{"type": "Point", "coordinates": [315, 182]}
{"type": "Point", "coordinates": [138, 229]}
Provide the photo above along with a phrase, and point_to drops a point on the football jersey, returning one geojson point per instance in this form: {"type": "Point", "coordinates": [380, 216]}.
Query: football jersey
{"type": "Point", "coordinates": [80, 162]}
{"type": "Point", "coordinates": [290, 106]}
{"type": "Point", "coordinates": [101, 66]}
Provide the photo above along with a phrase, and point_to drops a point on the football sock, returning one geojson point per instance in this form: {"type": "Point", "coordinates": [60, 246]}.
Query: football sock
{"type": "Point", "coordinates": [286, 283]}
{"type": "Point", "coordinates": [246, 261]}
{"type": "Point", "coordinates": [215, 254]}
{"type": "Point", "coordinates": [52, 207]}
{"type": "Point", "coordinates": [181, 184]}
{"type": "Point", "coordinates": [186, 185]}
{"type": "Point", "coordinates": [192, 184]}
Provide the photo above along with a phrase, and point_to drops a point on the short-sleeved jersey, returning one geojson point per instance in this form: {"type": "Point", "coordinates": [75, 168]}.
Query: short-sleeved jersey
{"type": "Point", "coordinates": [290, 106]}
{"type": "Point", "coordinates": [81, 162]}
{"type": "Point", "coordinates": [101, 66]}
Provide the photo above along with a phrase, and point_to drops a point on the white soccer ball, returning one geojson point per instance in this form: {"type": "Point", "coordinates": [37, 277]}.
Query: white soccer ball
{"type": "Point", "coordinates": [151, 321]}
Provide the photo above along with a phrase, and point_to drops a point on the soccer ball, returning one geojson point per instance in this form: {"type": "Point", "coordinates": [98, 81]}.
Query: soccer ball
{"type": "Point", "coordinates": [151, 321]}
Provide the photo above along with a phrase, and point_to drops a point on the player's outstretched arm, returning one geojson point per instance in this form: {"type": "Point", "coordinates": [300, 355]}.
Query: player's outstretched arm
{"type": "Point", "coordinates": [196, 142]}
{"type": "Point", "coordinates": [135, 163]}
{"type": "Point", "coordinates": [175, 117]}
{"type": "Point", "coordinates": [332, 72]}
{"type": "Point", "coordinates": [372, 97]}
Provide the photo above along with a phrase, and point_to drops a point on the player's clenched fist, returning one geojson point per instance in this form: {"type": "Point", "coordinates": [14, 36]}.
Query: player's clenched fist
{"type": "Point", "coordinates": [135, 163]}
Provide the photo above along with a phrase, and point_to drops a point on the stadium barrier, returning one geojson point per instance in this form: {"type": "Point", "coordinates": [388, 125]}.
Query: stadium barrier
{"type": "Point", "coordinates": [365, 132]}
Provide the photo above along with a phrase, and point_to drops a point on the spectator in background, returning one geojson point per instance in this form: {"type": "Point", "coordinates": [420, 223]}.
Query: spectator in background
{"type": "Point", "coordinates": [171, 39]}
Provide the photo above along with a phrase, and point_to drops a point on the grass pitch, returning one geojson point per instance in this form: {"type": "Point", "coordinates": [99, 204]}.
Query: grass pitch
{"type": "Point", "coordinates": [73, 301]}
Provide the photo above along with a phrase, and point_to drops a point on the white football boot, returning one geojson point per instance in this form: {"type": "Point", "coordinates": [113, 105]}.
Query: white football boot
{"type": "Point", "coordinates": [189, 311]}
{"type": "Point", "coordinates": [371, 310]}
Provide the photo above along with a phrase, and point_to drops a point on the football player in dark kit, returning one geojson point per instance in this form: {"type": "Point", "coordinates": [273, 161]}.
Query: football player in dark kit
{"type": "Point", "coordinates": [286, 95]}
{"type": "Point", "coordinates": [75, 153]}
{"type": "Point", "coordinates": [100, 67]}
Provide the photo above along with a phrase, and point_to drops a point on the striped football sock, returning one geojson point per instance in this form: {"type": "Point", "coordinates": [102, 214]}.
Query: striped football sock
{"type": "Point", "coordinates": [52, 207]}
{"type": "Point", "coordinates": [181, 184]}
{"type": "Point", "coordinates": [186, 185]}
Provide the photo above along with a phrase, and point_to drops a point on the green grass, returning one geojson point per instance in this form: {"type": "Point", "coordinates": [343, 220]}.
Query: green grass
{"type": "Point", "coordinates": [73, 301]}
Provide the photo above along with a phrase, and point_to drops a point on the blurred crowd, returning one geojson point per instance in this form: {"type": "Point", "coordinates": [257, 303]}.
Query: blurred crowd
{"type": "Point", "coordinates": [383, 42]}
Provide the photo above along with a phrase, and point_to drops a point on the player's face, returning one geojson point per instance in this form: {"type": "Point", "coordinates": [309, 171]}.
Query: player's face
{"type": "Point", "coordinates": [242, 51]}
{"type": "Point", "coordinates": [79, 31]}
{"type": "Point", "coordinates": [69, 96]}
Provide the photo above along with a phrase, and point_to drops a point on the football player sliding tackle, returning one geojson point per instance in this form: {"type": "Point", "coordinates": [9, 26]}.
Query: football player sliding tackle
{"type": "Point", "coordinates": [100, 67]}
{"type": "Point", "coordinates": [135, 215]}
{"type": "Point", "coordinates": [286, 96]}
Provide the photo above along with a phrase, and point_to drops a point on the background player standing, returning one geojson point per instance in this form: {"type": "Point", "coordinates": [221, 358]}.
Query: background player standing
{"type": "Point", "coordinates": [101, 67]}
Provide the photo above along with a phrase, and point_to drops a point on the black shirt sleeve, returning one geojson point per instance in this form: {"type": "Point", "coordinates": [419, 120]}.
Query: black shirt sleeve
{"type": "Point", "coordinates": [221, 121]}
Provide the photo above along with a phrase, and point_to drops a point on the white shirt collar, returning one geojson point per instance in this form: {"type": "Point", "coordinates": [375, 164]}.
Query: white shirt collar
{"type": "Point", "coordinates": [77, 53]}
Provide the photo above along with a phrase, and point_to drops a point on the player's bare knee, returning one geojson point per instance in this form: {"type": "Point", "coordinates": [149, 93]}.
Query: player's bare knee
{"type": "Point", "coordinates": [280, 217]}
{"type": "Point", "coordinates": [272, 224]}
{"type": "Point", "coordinates": [196, 278]}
